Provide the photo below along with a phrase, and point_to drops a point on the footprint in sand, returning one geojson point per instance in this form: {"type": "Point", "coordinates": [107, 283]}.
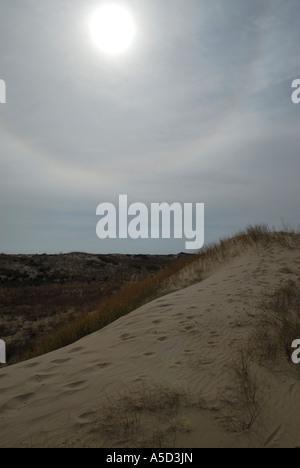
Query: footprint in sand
{"type": "Point", "coordinates": [204, 362]}
{"type": "Point", "coordinates": [176, 365]}
{"type": "Point", "coordinates": [127, 336]}
{"type": "Point", "coordinates": [212, 344]}
{"type": "Point", "coordinates": [17, 402]}
{"type": "Point", "coordinates": [95, 367]}
{"type": "Point", "coordinates": [31, 364]}
{"type": "Point", "coordinates": [96, 361]}
{"type": "Point", "coordinates": [76, 385]}
{"type": "Point", "coordinates": [87, 417]}
{"type": "Point", "coordinates": [76, 350]}
{"type": "Point", "coordinates": [103, 365]}
{"type": "Point", "coordinates": [42, 377]}
{"type": "Point", "coordinates": [60, 361]}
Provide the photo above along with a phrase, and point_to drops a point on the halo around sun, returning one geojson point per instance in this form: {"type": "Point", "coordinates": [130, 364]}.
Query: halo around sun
{"type": "Point", "coordinates": [112, 29]}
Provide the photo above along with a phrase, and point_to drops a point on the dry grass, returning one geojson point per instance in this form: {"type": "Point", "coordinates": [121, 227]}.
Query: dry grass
{"type": "Point", "coordinates": [253, 236]}
{"type": "Point", "coordinates": [246, 405]}
{"type": "Point", "coordinates": [279, 324]}
{"type": "Point", "coordinates": [128, 418]}
{"type": "Point", "coordinates": [39, 294]}
{"type": "Point", "coordinates": [130, 297]}
{"type": "Point", "coordinates": [183, 273]}
{"type": "Point", "coordinates": [218, 253]}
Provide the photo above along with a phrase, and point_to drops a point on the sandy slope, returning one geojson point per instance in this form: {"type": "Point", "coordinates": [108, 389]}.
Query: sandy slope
{"type": "Point", "coordinates": [185, 342]}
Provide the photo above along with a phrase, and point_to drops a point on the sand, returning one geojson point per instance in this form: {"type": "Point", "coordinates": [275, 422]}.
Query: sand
{"type": "Point", "coordinates": [168, 366]}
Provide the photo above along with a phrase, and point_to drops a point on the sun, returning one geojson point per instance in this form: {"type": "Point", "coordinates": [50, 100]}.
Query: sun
{"type": "Point", "coordinates": [112, 29]}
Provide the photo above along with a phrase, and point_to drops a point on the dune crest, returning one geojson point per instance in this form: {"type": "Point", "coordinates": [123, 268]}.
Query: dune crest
{"type": "Point", "coordinates": [171, 374]}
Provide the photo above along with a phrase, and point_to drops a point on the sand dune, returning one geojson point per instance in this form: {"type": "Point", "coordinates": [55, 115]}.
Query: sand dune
{"type": "Point", "coordinates": [162, 376]}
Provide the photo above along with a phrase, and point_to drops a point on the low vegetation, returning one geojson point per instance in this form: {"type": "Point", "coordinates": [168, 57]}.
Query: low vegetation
{"type": "Point", "coordinates": [129, 417]}
{"type": "Point", "coordinates": [279, 323]}
{"type": "Point", "coordinates": [39, 294]}
{"type": "Point", "coordinates": [136, 292]}
{"type": "Point", "coordinates": [129, 297]}
{"type": "Point", "coordinates": [247, 403]}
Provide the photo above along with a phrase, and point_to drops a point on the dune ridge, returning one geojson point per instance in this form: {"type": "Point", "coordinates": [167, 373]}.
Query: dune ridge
{"type": "Point", "coordinates": [169, 374]}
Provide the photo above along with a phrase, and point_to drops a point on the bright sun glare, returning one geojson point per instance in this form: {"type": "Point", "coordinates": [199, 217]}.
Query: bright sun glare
{"type": "Point", "coordinates": [112, 29]}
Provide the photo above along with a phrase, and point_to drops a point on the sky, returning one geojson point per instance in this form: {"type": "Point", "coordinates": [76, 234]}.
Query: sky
{"type": "Point", "coordinates": [197, 110]}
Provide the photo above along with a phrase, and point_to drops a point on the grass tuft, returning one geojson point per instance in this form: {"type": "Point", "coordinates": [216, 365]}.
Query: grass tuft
{"type": "Point", "coordinates": [246, 406]}
{"type": "Point", "coordinates": [279, 324]}
{"type": "Point", "coordinates": [129, 416]}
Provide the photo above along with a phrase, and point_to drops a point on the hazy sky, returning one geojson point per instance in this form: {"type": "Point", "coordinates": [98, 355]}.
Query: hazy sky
{"type": "Point", "coordinates": [198, 110]}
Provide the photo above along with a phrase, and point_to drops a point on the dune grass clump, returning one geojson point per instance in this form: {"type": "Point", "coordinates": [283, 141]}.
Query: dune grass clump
{"type": "Point", "coordinates": [244, 406]}
{"type": "Point", "coordinates": [147, 417]}
{"type": "Point", "coordinates": [279, 324]}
